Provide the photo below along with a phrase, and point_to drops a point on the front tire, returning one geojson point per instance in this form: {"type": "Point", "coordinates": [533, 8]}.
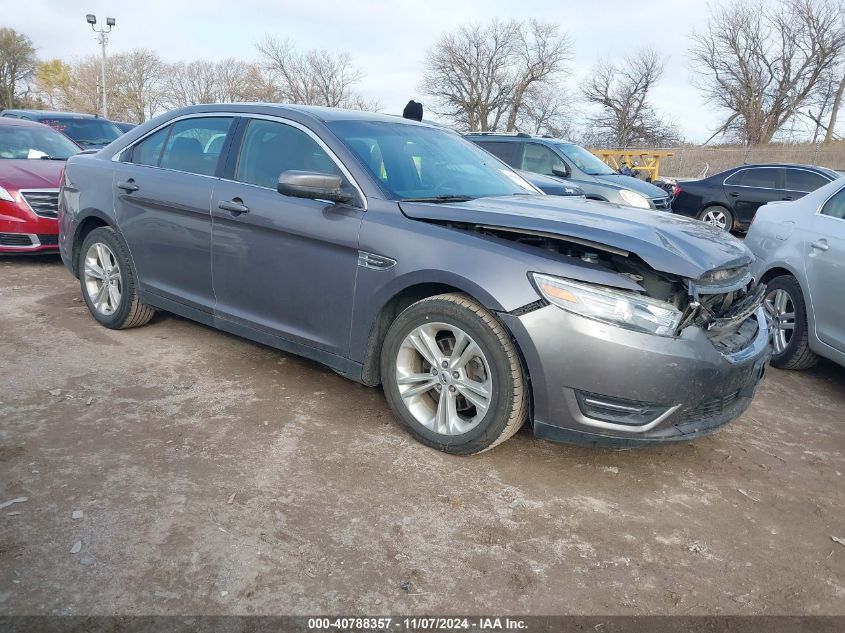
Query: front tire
{"type": "Point", "coordinates": [452, 375]}
{"type": "Point", "coordinates": [784, 304]}
{"type": "Point", "coordinates": [107, 278]}
{"type": "Point", "coordinates": [719, 217]}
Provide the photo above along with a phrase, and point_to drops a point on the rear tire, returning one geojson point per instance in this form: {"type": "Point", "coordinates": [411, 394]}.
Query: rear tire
{"type": "Point", "coordinates": [107, 279]}
{"type": "Point", "coordinates": [787, 312]}
{"type": "Point", "coordinates": [718, 216]}
{"type": "Point", "coordinates": [452, 375]}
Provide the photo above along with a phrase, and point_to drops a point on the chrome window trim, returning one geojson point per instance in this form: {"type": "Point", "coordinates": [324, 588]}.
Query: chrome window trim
{"type": "Point", "coordinates": [725, 181]}
{"type": "Point", "coordinates": [242, 115]}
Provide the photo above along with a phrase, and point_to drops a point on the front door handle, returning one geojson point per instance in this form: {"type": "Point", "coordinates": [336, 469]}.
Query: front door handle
{"type": "Point", "coordinates": [235, 206]}
{"type": "Point", "coordinates": [734, 194]}
{"type": "Point", "coordinates": [128, 185]}
{"type": "Point", "coordinates": [820, 244]}
{"type": "Point", "coordinates": [787, 198]}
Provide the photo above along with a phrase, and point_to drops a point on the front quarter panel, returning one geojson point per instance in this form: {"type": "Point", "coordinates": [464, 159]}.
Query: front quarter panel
{"type": "Point", "coordinates": [494, 272]}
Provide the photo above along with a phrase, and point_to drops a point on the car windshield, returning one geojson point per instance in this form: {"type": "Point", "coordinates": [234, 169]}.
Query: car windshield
{"type": "Point", "coordinates": [418, 162]}
{"type": "Point", "coordinates": [87, 132]}
{"type": "Point", "coordinates": [584, 160]}
{"type": "Point", "coordinates": [34, 142]}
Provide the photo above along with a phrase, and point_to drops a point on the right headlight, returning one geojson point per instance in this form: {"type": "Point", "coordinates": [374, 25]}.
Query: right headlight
{"type": "Point", "coordinates": [5, 195]}
{"type": "Point", "coordinates": [634, 199]}
{"type": "Point", "coordinates": [609, 305]}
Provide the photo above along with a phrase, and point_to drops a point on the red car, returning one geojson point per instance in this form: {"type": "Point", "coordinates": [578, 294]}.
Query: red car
{"type": "Point", "coordinates": [32, 157]}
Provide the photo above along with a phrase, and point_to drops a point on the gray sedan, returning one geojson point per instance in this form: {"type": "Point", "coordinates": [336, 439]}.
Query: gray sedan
{"type": "Point", "coordinates": [400, 254]}
{"type": "Point", "coordinates": [800, 249]}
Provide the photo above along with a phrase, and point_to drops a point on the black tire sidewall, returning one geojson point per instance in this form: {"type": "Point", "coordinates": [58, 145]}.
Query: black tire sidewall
{"type": "Point", "coordinates": [108, 237]}
{"type": "Point", "coordinates": [501, 404]}
{"type": "Point", "coordinates": [792, 288]}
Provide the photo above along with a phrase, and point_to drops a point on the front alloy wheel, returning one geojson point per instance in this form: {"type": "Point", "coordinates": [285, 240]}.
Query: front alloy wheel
{"type": "Point", "coordinates": [102, 279]}
{"type": "Point", "coordinates": [452, 375]}
{"type": "Point", "coordinates": [444, 378]}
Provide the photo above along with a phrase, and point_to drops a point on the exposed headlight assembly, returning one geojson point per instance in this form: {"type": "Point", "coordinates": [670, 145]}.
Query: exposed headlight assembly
{"type": "Point", "coordinates": [634, 199]}
{"type": "Point", "coordinates": [609, 305]}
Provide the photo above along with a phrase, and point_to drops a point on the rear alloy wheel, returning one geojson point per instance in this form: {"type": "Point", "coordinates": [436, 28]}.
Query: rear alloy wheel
{"type": "Point", "coordinates": [452, 375]}
{"type": "Point", "coordinates": [784, 305]}
{"type": "Point", "coordinates": [107, 278]}
{"type": "Point", "coordinates": [717, 216]}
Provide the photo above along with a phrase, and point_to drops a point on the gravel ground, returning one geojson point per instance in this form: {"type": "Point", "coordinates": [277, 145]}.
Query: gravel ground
{"type": "Point", "coordinates": [173, 469]}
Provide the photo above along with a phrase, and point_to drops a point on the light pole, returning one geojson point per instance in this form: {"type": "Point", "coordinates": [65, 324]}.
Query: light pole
{"type": "Point", "coordinates": [103, 37]}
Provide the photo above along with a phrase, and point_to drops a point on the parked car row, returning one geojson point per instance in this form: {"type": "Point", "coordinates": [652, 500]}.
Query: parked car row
{"type": "Point", "coordinates": [403, 255]}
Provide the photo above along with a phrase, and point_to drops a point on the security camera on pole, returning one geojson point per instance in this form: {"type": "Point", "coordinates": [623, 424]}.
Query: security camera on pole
{"type": "Point", "coordinates": [103, 37]}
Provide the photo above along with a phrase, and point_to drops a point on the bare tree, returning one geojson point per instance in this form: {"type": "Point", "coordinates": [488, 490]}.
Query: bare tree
{"type": "Point", "coordinates": [135, 93]}
{"type": "Point", "coordinates": [312, 77]}
{"type": "Point", "coordinates": [81, 93]}
{"type": "Point", "coordinates": [621, 92]}
{"type": "Point", "coordinates": [761, 64]}
{"type": "Point", "coordinates": [483, 77]}
{"type": "Point", "coordinates": [17, 65]}
{"type": "Point", "coordinates": [834, 111]}
{"type": "Point", "coordinates": [546, 109]}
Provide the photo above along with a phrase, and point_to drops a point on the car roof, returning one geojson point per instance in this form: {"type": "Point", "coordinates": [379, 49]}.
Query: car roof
{"type": "Point", "coordinates": [21, 123]}
{"type": "Point", "coordinates": [51, 114]}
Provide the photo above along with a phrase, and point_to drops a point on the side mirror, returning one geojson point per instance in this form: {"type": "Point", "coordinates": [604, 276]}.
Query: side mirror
{"type": "Point", "coordinates": [312, 184]}
{"type": "Point", "coordinates": [560, 169]}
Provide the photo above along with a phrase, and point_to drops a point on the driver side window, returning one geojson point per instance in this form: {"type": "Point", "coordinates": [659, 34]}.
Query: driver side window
{"type": "Point", "coordinates": [270, 148]}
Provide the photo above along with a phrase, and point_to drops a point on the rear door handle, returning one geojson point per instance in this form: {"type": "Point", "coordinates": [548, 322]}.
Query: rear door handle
{"type": "Point", "coordinates": [787, 198]}
{"type": "Point", "coordinates": [235, 206]}
{"type": "Point", "coordinates": [820, 244]}
{"type": "Point", "coordinates": [128, 185]}
{"type": "Point", "coordinates": [734, 194]}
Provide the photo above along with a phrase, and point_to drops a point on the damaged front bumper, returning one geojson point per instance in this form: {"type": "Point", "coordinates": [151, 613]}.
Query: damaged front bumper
{"type": "Point", "coordinates": [594, 383]}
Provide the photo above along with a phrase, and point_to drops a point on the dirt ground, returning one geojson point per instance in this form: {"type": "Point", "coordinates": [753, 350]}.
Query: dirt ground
{"type": "Point", "coordinates": [217, 476]}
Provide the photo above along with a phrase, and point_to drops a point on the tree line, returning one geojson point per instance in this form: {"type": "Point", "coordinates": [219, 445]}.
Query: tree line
{"type": "Point", "coordinates": [771, 71]}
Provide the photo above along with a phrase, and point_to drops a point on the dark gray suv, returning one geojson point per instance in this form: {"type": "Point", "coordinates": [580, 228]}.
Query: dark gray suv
{"type": "Point", "coordinates": [400, 254]}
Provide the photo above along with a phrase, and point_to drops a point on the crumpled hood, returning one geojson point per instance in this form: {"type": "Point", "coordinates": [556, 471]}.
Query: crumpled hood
{"type": "Point", "coordinates": [668, 243]}
{"type": "Point", "coordinates": [30, 174]}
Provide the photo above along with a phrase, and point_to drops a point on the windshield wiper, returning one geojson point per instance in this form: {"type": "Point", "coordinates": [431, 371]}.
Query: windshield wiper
{"type": "Point", "coordinates": [439, 199]}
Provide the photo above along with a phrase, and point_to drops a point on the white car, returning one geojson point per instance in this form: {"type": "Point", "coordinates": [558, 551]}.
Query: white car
{"type": "Point", "coordinates": [800, 251]}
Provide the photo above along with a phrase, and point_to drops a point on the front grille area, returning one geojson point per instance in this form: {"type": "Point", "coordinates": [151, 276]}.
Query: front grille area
{"type": "Point", "coordinates": [48, 240]}
{"type": "Point", "coordinates": [45, 202]}
{"type": "Point", "coordinates": [15, 239]}
{"type": "Point", "coordinates": [711, 408]}
{"type": "Point", "coordinates": [661, 203]}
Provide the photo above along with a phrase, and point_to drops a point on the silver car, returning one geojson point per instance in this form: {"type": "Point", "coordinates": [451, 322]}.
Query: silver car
{"type": "Point", "coordinates": [800, 249]}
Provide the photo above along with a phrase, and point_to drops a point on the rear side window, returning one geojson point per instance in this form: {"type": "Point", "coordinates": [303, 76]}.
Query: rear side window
{"type": "Point", "coordinates": [539, 159]}
{"type": "Point", "coordinates": [270, 148]}
{"type": "Point", "coordinates": [504, 151]}
{"type": "Point", "coordinates": [803, 180]}
{"type": "Point", "coordinates": [194, 145]}
{"type": "Point", "coordinates": [835, 207]}
{"type": "Point", "coordinates": [762, 178]}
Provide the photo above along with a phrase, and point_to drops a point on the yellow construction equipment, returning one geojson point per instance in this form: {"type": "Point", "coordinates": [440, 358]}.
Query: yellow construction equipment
{"type": "Point", "coordinates": [648, 159]}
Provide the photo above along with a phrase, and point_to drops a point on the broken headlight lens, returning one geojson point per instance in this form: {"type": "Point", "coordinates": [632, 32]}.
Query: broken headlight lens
{"type": "Point", "coordinates": [609, 305]}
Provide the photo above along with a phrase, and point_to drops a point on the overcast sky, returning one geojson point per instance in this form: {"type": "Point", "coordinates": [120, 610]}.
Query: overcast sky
{"type": "Point", "coordinates": [387, 40]}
